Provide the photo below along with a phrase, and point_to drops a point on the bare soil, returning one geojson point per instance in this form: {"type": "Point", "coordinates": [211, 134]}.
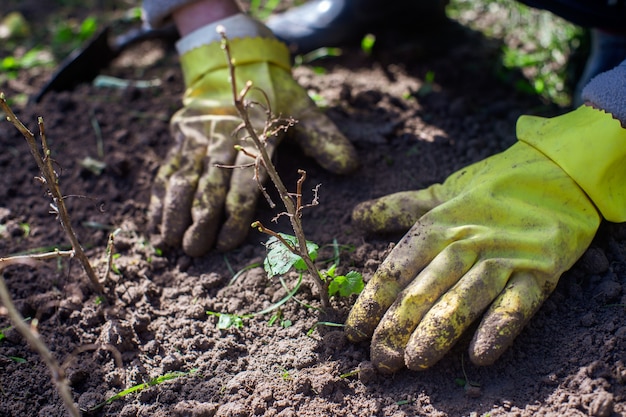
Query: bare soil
{"type": "Point", "coordinates": [569, 361]}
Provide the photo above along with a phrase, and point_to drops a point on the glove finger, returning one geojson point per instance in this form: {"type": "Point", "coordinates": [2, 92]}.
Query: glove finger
{"type": "Point", "coordinates": [240, 203]}
{"type": "Point", "coordinates": [180, 192]}
{"type": "Point", "coordinates": [320, 139]}
{"type": "Point", "coordinates": [452, 314]}
{"type": "Point", "coordinates": [414, 251]}
{"type": "Point", "coordinates": [506, 318]}
{"type": "Point", "coordinates": [314, 132]}
{"type": "Point", "coordinates": [159, 189]}
{"type": "Point", "coordinates": [208, 205]}
{"type": "Point", "coordinates": [396, 213]}
{"type": "Point", "coordinates": [393, 333]}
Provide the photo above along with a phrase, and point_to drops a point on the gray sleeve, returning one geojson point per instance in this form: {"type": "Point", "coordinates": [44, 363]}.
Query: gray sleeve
{"type": "Point", "coordinates": [157, 12]}
{"type": "Point", "coordinates": [607, 91]}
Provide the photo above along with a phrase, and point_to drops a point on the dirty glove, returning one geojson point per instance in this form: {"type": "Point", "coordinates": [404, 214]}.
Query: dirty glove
{"type": "Point", "coordinates": [494, 236]}
{"type": "Point", "coordinates": [205, 193]}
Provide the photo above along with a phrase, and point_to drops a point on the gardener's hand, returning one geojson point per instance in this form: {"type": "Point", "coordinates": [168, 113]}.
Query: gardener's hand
{"type": "Point", "coordinates": [205, 193]}
{"type": "Point", "coordinates": [495, 236]}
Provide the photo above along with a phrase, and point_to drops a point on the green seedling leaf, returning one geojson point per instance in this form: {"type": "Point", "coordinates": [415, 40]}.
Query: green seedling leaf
{"type": "Point", "coordinates": [241, 271]}
{"type": "Point", "coordinates": [323, 323]}
{"type": "Point", "coordinates": [274, 317]}
{"type": "Point", "coordinates": [87, 28]}
{"type": "Point", "coordinates": [263, 11]}
{"type": "Point", "coordinates": [367, 43]}
{"type": "Point", "coordinates": [35, 57]}
{"type": "Point", "coordinates": [134, 14]}
{"type": "Point", "coordinates": [284, 374]}
{"type": "Point", "coordinates": [114, 267]}
{"type": "Point", "coordinates": [93, 165]}
{"type": "Point", "coordinates": [3, 336]}
{"type": "Point", "coordinates": [25, 229]}
{"type": "Point", "coordinates": [319, 53]}
{"type": "Point", "coordinates": [349, 374]}
{"type": "Point", "coordinates": [140, 387]}
{"type": "Point", "coordinates": [227, 320]}
{"type": "Point", "coordinates": [17, 359]}
{"type": "Point", "coordinates": [346, 285]}
{"type": "Point", "coordinates": [280, 259]}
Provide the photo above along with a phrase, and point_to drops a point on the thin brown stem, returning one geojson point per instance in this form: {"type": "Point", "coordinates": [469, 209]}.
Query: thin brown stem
{"type": "Point", "coordinates": [44, 162]}
{"type": "Point", "coordinates": [58, 375]}
{"type": "Point", "coordinates": [292, 206]}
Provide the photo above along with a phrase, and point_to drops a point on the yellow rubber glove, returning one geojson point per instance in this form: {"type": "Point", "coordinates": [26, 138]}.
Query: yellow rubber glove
{"type": "Point", "coordinates": [199, 204]}
{"type": "Point", "coordinates": [495, 236]}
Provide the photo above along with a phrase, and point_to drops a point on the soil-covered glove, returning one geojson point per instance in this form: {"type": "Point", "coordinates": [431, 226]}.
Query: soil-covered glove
{"type": "Point", "coordinates": [196, 200]}
{"type": "Point", "coordinates": [494, 236]}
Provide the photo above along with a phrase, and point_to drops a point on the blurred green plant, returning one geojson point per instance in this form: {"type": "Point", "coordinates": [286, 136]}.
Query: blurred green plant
{"type": "Point", "coordinates": [35, 57]}
{"type": "Point", "coordinates": [536, 43]}
{"type": "Point", "coordinates": [263, 9]}
{"type": "Point", "coordinates": [69, 35]}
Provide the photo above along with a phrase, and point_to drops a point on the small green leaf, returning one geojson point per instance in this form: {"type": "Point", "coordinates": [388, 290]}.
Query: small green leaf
{"type": "Point", "coordinates": [226, 321]}
{"type": "Point", "coordinates": [87, 28]}
{"type": "Point", "coordinates": [346, 285]}
{"type": "Point", "coordinates": [367, 43]}
{"type": "Point", "coordinates": [93, 165]}
{"type": "Point", "coordinates": [280, 259]}
{"type": "Point", "coordinates": [460, 382]}
{"type": "Point", "coordinates": [274, 317]}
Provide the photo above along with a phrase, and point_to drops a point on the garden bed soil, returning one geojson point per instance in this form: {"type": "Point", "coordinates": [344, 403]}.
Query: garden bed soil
{"type": "Point", "coordinates": [568, 361]}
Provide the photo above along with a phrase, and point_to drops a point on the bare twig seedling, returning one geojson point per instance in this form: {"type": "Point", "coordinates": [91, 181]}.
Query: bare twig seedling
{"type": "Point", "coordinates": [30, 332]}
{"type": "Point", "coordinates": [50, 179]}
{"type": "Point", "coordinates": [292, 202]}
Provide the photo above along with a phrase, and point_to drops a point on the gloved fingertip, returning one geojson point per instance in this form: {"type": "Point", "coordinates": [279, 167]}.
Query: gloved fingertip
{"type": "Point", "coordinates": [355, 335]}
{"type": "Point", "coordinates": [364, 316]}
{"type": "Point", "coordinates": [198, 240]}
{"type": "Point", "coordinates": [387, 359]}
{"type": "Point", "coordinates": [327, 146]}
{"type": "Point", "coordinates": [494, 336]}
{"type": "Point", "coordinates": [373, 217]}
{"type": "Point", "coordinates": [485, 354]}
{"type": "Point", "coordinates": [419, 360]}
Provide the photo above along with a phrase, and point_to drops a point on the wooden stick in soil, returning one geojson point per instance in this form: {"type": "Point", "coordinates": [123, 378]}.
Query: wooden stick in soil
{"type": "Point", "coordinates": [293, 210]}
{"type": "Point", "coordinates": [58, 375]}
{"type": "Point", "coordinates": [49, 175]}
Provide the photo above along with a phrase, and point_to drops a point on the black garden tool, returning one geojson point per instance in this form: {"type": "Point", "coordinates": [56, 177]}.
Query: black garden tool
{"type": "Point", "coordinates": [84, 64]}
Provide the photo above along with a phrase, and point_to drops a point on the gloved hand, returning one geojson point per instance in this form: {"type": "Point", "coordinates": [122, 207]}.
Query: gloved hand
{"type": "Point", "coordinates": [199, 204]}
{"type": "Point", "coordinates": [494, 236]}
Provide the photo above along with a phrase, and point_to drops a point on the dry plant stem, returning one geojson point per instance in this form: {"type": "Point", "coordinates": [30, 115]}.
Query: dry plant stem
{"type": "Point", "coordinates": [58, 375]}
{"type": "Point", "coordinates": [47, 170]}
{"type": "Point", "coordinates": [110, 252]}
{"type": "Point", "coordinates": [292, 207]}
